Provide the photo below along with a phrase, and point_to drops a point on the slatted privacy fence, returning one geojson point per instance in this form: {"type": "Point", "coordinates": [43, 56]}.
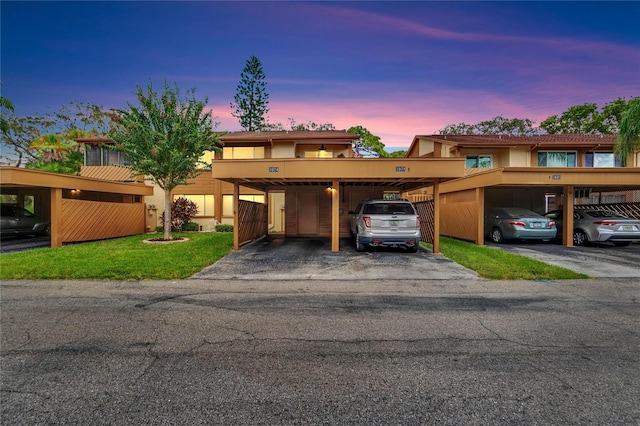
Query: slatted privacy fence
{"type": "Point", "coordinates": [426, 212]}
{"type": "Point", "coordinates": [253, 221]}
{"type": "Point", "coordinates": [84, 220]}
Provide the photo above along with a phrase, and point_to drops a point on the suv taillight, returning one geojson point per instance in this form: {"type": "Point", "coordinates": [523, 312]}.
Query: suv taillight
{"type": "Point", "coordinates": [367, 221]}
{"type": "Point", "coordinates": [417, 222]}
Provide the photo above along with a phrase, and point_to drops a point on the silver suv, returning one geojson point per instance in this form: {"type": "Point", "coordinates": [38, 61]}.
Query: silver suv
{"type": "Point", "coordinates": [385, 223]}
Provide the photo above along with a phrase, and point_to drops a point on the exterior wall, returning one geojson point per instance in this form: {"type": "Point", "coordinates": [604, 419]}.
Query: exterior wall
{"type": "Point", "coordinates": [84, 220]}
{"type": "Point", "coordinates": [115, 173]}
{"type": "Point", "coordinates": [283, 150]}
{"type": "Point", "coordinates": [519, 157]}
{"type": "Point", "coordinates": [308, 208]}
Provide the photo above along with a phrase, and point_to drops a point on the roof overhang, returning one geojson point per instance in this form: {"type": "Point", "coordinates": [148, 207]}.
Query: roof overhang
{"type": "Point", "coordinates": [20, 177]}
{"type": "Point", "coordinates": [604, 179]}
{"type": "Point", "coordinates": [403, 173]}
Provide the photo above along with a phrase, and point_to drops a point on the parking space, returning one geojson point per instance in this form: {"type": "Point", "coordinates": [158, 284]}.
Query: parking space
{"type": "Point", "coordinates": [22, 243]}
{"type": "Point", "coordinates": [602, 260]}
{"type": "Point", "coordinates": [285, 258]}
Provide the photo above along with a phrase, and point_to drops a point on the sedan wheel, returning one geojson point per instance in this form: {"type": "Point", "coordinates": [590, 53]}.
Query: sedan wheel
{"type": "Point", "coordinates": [579, 238]}
{"type": "Point", "coordinates": [496, 236]}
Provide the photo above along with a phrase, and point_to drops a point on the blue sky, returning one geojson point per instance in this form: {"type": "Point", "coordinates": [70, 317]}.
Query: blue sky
{"type": "Point", "coordinates": [396, 68]}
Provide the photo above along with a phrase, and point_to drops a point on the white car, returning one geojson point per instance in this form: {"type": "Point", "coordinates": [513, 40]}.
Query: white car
{"type": "Point", "coordinates": [385, 223]}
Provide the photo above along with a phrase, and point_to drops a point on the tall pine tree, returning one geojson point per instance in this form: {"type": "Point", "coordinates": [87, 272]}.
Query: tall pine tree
{"type": "Point", "coordinates": [251, 98]}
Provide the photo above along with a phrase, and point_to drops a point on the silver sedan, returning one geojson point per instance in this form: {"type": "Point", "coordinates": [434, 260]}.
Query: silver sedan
{"type": "Point", "coordinates": [598, 226]}
{"type": "Point", "coordinates": [514, 223]}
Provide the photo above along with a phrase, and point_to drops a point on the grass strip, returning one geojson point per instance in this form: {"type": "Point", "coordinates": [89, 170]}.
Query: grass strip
{"type": "Point", "coordinates": [496, 264]}
{"type": "Point", "coordinates": [124, 258]}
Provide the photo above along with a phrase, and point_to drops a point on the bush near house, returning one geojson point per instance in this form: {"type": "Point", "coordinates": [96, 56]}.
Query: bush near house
{"type": "Point", "coordinates": [182, 211]}
{"type": "Point", "coordinates": [224, 228]}
{"type": "Point", "coordinates": [190, 227]}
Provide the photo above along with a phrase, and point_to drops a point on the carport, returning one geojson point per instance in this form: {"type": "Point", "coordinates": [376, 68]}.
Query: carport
{"type": "Point", "coordinates": [463, 200]}
{"type": "Point", "coordinates": [79, 208]}
{"type": "Point", "coordinates": [319, 192]}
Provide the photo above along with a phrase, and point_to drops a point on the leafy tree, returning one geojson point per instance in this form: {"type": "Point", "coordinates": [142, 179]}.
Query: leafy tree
{"type": "Point", "coordinates": [498, 125]}
{"type": "Point", "coordinates": [20, 135]}
{"type": "Point", "coordinates": [310, 125]}
{"type": "Point", "coordinates": [587, 118]}
{"type": "Point", "coordinates": [369, 144]}
{"type": "Point", "coordinates": [164, 138]}
{"type": "Point", "coordinates": [251, 98]}
{"type": "Point", "coordinates": [583, 118]}
{"type": "Point", "coordinates": [612, 114]}
{"type": "Point", "coordinates": [398, 154]}
{"type": "Point", "coordinates": [628, 140]}
{"type": "Point", "coordinates": [6, 108]}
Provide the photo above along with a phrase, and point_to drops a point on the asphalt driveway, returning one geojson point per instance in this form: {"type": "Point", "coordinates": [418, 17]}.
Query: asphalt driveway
{"type": "Point", "coordinates": [285, 258]}
{"type": "Point", "coordinates": [597, 261]}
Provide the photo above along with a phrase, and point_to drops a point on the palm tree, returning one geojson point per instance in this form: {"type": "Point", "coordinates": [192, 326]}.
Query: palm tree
{"type": "Point", "coordinates": [628, 140]}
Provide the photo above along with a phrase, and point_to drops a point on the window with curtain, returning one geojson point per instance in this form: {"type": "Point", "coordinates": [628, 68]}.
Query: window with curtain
{"type": "Point", "coordinates": [557, 159]}
{"type": "Point", "coordinates": [601, 159]}
{"type": "Point", "coordinates": [242, 152]}
{"type": "Point", "coordinates": [478, 162]}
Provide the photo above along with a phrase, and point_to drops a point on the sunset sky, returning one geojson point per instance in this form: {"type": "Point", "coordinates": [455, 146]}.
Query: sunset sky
{"type": "Point", "coordinates": [397, 68]}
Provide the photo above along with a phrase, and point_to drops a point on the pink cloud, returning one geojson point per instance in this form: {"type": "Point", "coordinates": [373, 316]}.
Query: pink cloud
{"type": "Point", "coordinates": [379, 22]}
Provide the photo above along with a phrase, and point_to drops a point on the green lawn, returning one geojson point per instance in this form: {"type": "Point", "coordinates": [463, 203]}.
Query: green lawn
{"type": "Point", "coordinates": [119, 259]}
{"type": "Point", "coordinates": [499, 265]}
{"type": "Point", "coordinates": [129, 259]}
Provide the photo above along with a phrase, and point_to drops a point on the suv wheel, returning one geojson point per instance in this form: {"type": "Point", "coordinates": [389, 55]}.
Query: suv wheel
{"type": "Point", "coordinates": [359, 245]}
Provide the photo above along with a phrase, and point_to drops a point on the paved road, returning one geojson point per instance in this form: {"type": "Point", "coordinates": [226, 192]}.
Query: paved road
{"type": "Point", "coordinates": [320, 352]}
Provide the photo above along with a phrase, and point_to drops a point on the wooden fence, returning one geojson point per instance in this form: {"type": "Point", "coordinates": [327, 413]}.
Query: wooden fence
{"type": "Point", "coordinates": [631, 210]}
{"type": "Point", "coordinates": [84, 220]}
{"type": "Point", "coordinates": [426, 213]}
{"type": "Point", "coordinates": [253, 221]}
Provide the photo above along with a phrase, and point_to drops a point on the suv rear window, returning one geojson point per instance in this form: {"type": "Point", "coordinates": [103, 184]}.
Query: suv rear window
{"type": "Point", "coordinates": [388, 208]}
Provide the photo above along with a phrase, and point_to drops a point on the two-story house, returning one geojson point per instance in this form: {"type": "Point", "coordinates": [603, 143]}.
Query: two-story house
{"type": "Point", "coordinates": [308, 181]}
{"type": "Point", "coordinates": [312, 179]}
{"type": "Point", "coordinates": [538, 172]}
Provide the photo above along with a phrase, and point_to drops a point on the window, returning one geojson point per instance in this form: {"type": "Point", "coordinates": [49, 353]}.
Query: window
{"type": "Point", "coordinates": [601, 159]}
{"type": "Point", "coordinates": [242, 152]}
{"type": "Point", "coordinates": [325, 153]}
{"type": "Point", "coordinates": [557, 159]}
{"type": "Point", "coordinates": [204, 202]}
{"type": "Point", "coordinates": [101, 155]}
{"type": "Point", "coordinates": [478, 162]}
{"type": "Point", "coordinates": [227, 202]}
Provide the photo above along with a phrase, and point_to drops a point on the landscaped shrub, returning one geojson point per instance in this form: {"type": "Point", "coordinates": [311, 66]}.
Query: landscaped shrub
{"type": "Point", "coordinates": [159, 228]}
{"type": "Point", "coordinates": [190, 227]}
{"type": "Point", "coordinates": [223, 227]}
{"type": "Point", "coordinates": [182, 211]}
